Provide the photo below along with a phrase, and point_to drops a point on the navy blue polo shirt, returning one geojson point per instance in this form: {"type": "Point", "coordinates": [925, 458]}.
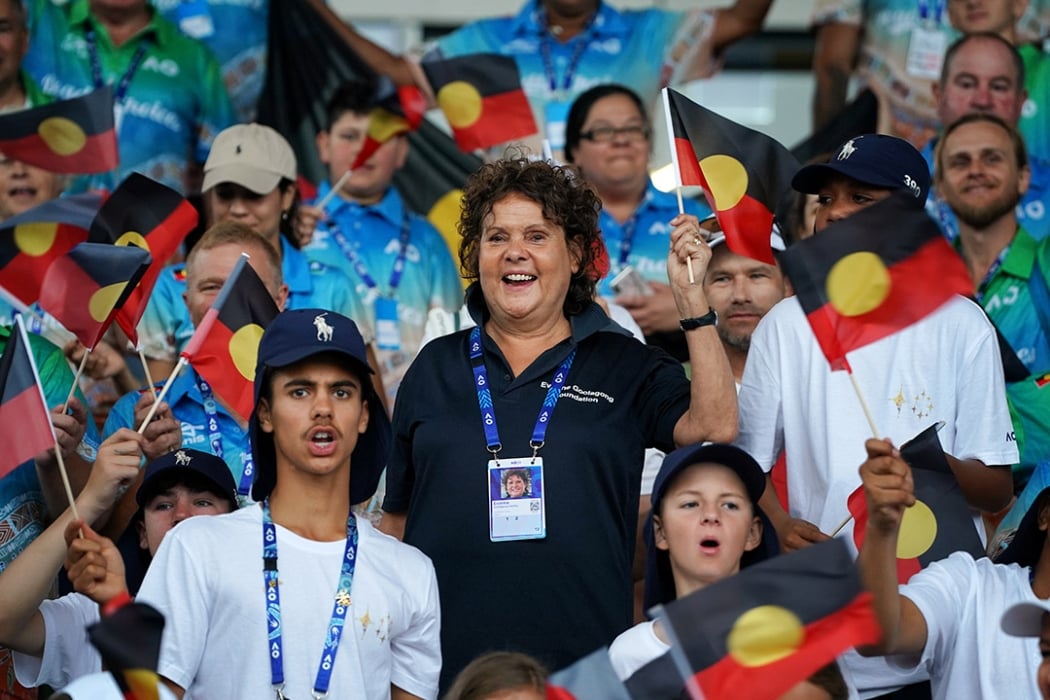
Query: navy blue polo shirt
{"type": "Point", "coordinates": [563, 596]}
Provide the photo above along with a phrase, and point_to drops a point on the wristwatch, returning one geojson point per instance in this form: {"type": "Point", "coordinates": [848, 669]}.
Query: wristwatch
{"type": "Point", "coordinates": [708, 319]}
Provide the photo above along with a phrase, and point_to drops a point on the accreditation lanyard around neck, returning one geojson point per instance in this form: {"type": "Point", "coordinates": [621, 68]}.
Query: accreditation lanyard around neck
{"type": "Point", "coordinates": [931, 13]}
{"type": "Point", "coordinates": [211, 415]}
{"type": "Point", "coordinates": [488, 412]}
{"type": "Point", "coordinates": [121, 90]}
{"type": "Point", "coordinates": [359, 264]}
{"type": "Point", "coordinates": [273, 606]}
{"type": "Point", "coordinates": [582, 41]}
{"type": "Point", "coordinates": [627, 239]}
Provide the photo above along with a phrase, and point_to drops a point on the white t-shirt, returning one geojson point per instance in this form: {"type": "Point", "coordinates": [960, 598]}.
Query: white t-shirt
{"type": "Point", "coordinates": [967, 654]}
{"type": "Point", "coordinates": [207, 580]}
{"type": "Point", "coordinates": [634, 648]}
{"type": "Point", "coordinates": [945, 367]}
{"type": "Point", "coordinates": [68, 653]}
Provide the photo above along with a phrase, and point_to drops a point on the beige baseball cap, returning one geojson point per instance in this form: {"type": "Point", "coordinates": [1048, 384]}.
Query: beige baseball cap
{"type": "Point", "coordinates": [250, 155]}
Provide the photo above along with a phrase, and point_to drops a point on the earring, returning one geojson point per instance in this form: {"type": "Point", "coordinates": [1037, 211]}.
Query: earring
{"type": "Point", "coordinates": [284, 216]}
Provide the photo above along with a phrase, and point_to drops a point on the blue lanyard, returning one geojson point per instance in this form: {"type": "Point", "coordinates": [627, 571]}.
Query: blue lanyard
{"type": "Point", "coordinates": [582, 42]}
{"type": "Point", "coordinates": [938, 11]}
{"type": "Point", "coordinates": [211, 415]}
{"type": "Point", "coordinates": [627, 239]}
{"type": "Point", "coordinates": [273, 605]}
{"type": "Point", "coordinates": [983, 286]}
{"type": "Point", "coordinates": [488, 412]}
{"type": "Point", "coordinates": [359, 264]}
{"type": "Point", "coordinates": [96, 67]}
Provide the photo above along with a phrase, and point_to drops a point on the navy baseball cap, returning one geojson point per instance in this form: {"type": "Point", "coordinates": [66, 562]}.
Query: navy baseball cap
{"type": "Point", "coordinates": [297, 335]}
{"type": "Point", "coordinates": [874, 159]}
{"type": "Point", "coordinates": [659, 580]}
{"type": "Point", "coordinates": [206, 468]}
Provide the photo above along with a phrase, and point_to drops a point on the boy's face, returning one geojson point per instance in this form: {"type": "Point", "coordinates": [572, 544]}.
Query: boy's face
{"type": "Point", "coordinates": [170, 507]}
{"type": "Point", "coordinates": [315, 412]}
{"type": "Point", "coordinates": [706, 523]}
{"type": "Point", "coordinates": [841, 197]}
{"type": "Point", "coordinates": [338, 148]}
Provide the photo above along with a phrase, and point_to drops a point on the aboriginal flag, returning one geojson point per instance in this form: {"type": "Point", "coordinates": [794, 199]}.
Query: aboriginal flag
{"type": "Point", "coordinates": [128, 639]}
{"type": "Point", "coordinates": [146, 214]}
{"type": "Point", "coordinates": [399, 111]}
{"type": "Point", "coordinates": [71, 136]}
{"type": "Point", "coordinates": [31, 241]}
{"type": "Point", "coordinates": [772, 625]}
{"type": "Point", "coordinates": [84, 288]}
{"type": "Point", "coordinates": [225, 345]}
{"type": "Point", "coordinates": [873, 274]}
{"type": "Point", "coordinates": [744, 173]}
{"type": "Point", "coordinates": [940, 521]}
{"type": "Point", "coordinates": [590, 677]}
{"type": "Point", "coordinates": [25, 426]}
{"type": "Point", "coordinates": [482, 99]}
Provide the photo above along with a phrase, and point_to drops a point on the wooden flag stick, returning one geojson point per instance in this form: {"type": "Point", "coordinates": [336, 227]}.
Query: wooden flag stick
{"type": "Point", "coordinates": [65, 477]}
{"type": "Point", "coordinates": [677, 170]}
{"type": "Point", "coordinates": [76, 379]}
{"type": "Point", "coordinates": [146, 372]}
{"type": "Point", "coordinates": [842, 524]}
{"type": "Point", "coordinates": [334, 191]}
{"type": "Point", "coordinates": [163, 392]}
{"type": "Point", "coordinates": [871, 424]}
{"type": "Point", "coordinates": [681, 210]}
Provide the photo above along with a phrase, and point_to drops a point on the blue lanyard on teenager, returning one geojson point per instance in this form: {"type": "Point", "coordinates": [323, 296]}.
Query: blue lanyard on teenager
{"type": "Point", "coordinates": [273, 606]}
{"type": "Point", "coordinates": [488, 412]}
{"type": "Point", "coordinates": [358, 263]}
{"type": "Point", "coordinates": [548, 62]}
{"type": "Point", "coordinates": [211, 415]}
{"type": "Point", "coordinates": [121, 90]}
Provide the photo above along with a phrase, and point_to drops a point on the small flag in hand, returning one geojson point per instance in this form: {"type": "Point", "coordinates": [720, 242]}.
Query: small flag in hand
{"type": "Point", "coordinates": [31, 241]}
{"type": "Point", "coordinates": [225, 345]}
{"type": "Point", "coordinates": [25, 426]}
{"type": "Point", "coordinates": [84, 288]}
{"type": "Point", "coordinates": [744, 173]}
{"type": "Point", "coordinates": [128, 640]}
{"type": "Point", "coordinates": [873, 274]}
{"type": "Point", "coordinates": [590, 677]}
{"type": "Point", "coordinates": [397, 112]}
{"type": "Point", "coordinates": [144, 213]}
{"type": "Point", "coordinates": [482, 99]}
{"type": "Point", "coordinates": [772, 625]}
{"type": "Point", "coordinates": [71, 136]}
{"type": "Point", "coordinates": [939, 522]}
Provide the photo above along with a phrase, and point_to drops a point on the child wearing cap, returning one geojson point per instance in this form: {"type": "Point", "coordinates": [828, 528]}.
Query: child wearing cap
{"type": "Point", "coordinates": [1032, 619]}
{"type": "Point", "coordinates": [296, 593]}
{"type": "Point", "coordinates": [704, 526]}
{"type": "Point", "coordinates": [48, 637]}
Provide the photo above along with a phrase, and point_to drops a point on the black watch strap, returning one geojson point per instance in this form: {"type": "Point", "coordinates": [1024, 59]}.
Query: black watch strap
{"type": "Point", "coordinates": [708, 319]}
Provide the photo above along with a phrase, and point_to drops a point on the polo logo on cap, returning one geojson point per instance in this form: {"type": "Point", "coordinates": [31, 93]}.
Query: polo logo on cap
{"type": "Point", "coordinates": [846, 151]}
{"type": "Point", "coordinates": [324, 331]}
{"type": "Point", "coordinates": [182, 459]}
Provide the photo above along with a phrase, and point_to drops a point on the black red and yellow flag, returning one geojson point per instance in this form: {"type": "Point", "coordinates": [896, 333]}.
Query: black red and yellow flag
{"type": "Point", "coordinates": [144, 213]}
{"type": "Point", "coordinates": [399, 111]}
{"type": "Point", "coordinates": [590, 677]}
{"type": "Point", "coordinates": [482, 99]}
{"type": "Point", "coordinates": [71, 136]}
{"type": "Point", "coordinates": [225, 345]}
{"type": "Point", "coordinates": [128, 639]}
{"type": "Point", "coordinates": [743, 172]}
{"type": "Point", "coordinates": [25, 426]}
{"type": "Point", "coordinates": [84, 288]}
{"type": "Point", "coordinates": [939, 522]}
{"type": "Point", "coordinates": [31, 241]}
{"type": "Point", "coordinates": [873, 274]}
{"type": "Point", "coordinates": [772, 625]}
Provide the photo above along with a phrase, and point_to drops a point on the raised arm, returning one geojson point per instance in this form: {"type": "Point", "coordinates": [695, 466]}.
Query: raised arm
{"type": "Point", "coordinates": [397, 68]}
{"type": "Point", "coordinates": [69, 429]}
{"type": "Point", "coordinates": [834, 56]}
{"type": "Point", "coordinates": [987, 488]}
{"type": "Point", "coordinates": [739, 21]}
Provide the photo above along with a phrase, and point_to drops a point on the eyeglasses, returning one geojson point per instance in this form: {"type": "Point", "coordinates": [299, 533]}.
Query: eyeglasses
{"type": "Point", "coordinates": [607, 134]}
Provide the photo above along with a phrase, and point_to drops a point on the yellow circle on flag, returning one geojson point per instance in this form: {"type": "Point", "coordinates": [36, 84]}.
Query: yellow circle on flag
{"type": "Point", "coordinates": [917, 532]}
{"type": "Point", "coordinates": [63, 136]}
{"type": "Point", "coordinates": [727, 178]}
{"type": "Point", "coordinates": [383, 125]}
{"type": "Point", "coordinates": [858, 283]}
{"type": "Point", "coordinates": [35, 238]}
{"type": "Point", "coordinates": [244, 349]}
{"type": "Point", "coordinates": [133, 238]}
{"type": "Point", "coordinates": [461, 103]}
{"type": "Point", "coordinates": [765, 634]}
{"type": "Point", "coordinates": [102, 302]}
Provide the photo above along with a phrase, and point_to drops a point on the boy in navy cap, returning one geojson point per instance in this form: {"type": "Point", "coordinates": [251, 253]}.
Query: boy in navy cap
{"type": "Point", "coordinates": [296, 593]}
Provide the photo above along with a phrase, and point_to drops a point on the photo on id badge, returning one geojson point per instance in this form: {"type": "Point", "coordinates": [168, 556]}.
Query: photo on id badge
{"type": "Point", "coordinates": [516, 507]}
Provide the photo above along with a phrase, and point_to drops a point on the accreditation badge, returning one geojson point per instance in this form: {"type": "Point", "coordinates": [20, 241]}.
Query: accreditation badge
{"type": "Point", "coordinates": [517, 509]}
{"type": "Point", "coordinates": [926, 52]}
{"type": "Point", "coordinates": [388, 332]}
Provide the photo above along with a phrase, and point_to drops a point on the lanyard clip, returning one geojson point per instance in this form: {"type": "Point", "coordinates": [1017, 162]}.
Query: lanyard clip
{"type": "Point", "coordinates": [535, 445]}
{"type": "Point", "coordinates": [278, 692]}
{"type": "Point", "coordinates": [495, 450]}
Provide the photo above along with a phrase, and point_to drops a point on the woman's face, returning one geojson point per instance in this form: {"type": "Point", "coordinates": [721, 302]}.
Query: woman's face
{"type": "Point", "coordinates": [515, 486]}
{"type": "Point", "coordinates": [622, 161]}
{"type": "Point", "coordinates": [525, 264]}
{"type": "Point", "coordinates": [260, 212]}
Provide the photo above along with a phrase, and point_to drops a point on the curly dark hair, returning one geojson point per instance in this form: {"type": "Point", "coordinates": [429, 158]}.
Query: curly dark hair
{"type": "Point", "coordinates": [566, 200]}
